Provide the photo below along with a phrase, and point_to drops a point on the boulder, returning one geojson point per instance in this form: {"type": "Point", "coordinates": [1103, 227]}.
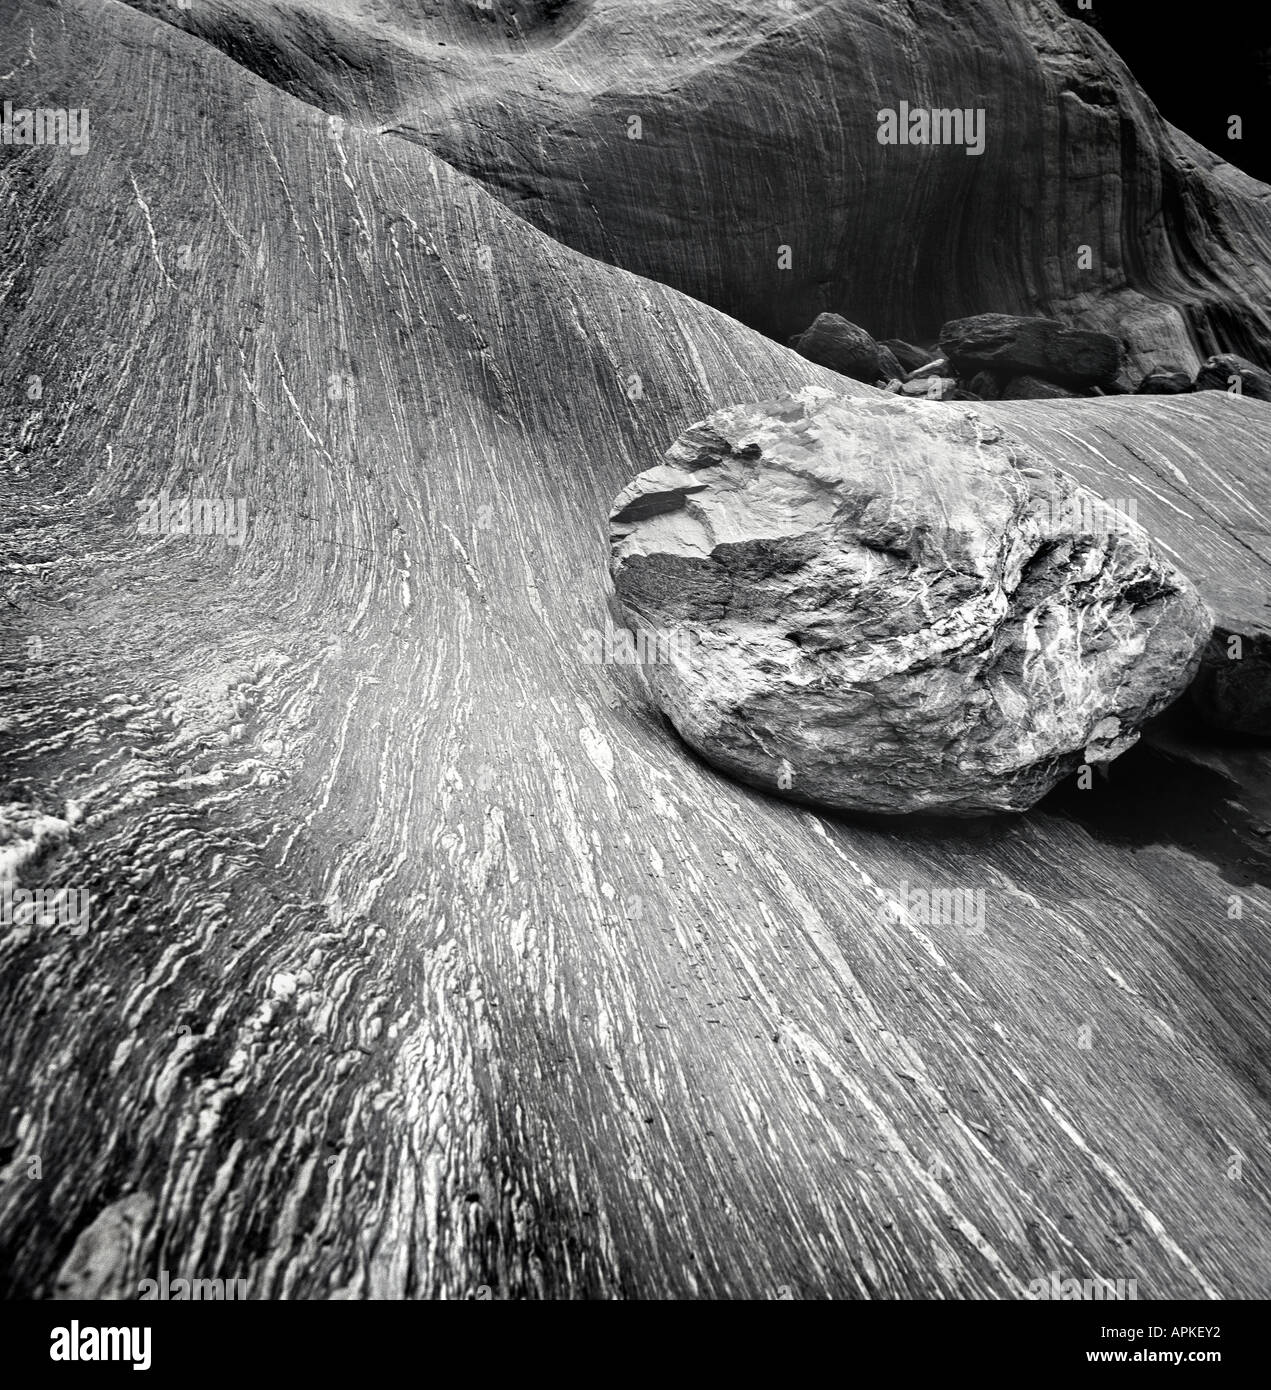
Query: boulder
{"type": "Point", "coordinates": [1033, 388]}
{"type": "Point", "coordinates": [878, 607]}
{"type": "Point", "coordinates": [1216, 374]}
{"type": "Point", "coordinates": [1164, 381]}
{"type": "Point", "coordinates": [847, 349]}
{"type": "Point", "coordinates": [909, 356]}
{"type": "Point", "coordinates": [1031, 347]}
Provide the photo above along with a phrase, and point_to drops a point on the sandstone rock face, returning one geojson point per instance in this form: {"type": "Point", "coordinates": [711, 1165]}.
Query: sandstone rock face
{"type": "Point", "coordinates": [1075, 154]}
{"type": "Point", "coordinates": [1216, 374]}
{"type": "Point", "coordinates": [881, 608]}
{"type": "Point", "coordinates": [847, 349]}
{"type": "Point", "coordinates": [1030, 347]}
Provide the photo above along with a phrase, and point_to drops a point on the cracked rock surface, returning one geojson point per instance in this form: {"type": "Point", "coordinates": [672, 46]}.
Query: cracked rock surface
{"type": "Point", "coordinates": [877, 607]}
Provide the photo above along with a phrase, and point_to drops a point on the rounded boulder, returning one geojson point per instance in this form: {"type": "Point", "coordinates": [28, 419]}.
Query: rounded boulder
{"type": "Point", "coordinates": [891, 607]}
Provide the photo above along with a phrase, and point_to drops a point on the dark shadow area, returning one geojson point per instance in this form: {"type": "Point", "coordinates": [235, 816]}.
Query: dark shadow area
{"type": "Point", "coordinates": [1156, 795]}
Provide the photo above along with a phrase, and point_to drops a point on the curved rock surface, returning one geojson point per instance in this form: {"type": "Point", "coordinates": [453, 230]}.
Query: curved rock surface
{"type": "Point", "coordinates": [876, 607]}
{"type": "Point", "coordinates": [421, 959]}
{"type": "Point", "coordinates": [1084, 204]}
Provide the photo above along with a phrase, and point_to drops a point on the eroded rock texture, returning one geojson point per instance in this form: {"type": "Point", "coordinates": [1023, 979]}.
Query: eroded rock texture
{"type": "Point", "coordinates": [1084, 205]}
{"type": "Point", "coordinates": [421, 956]}
{"type": "Point", "coordinates": [890, 609]}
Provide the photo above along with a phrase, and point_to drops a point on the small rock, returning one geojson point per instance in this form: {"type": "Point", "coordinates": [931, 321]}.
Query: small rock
{"type": "Point", "coordinates": [932, 388]}
{"type": "Point", "coordinates": [845, 348]}
{"type": "Point", "coordinates": [938, 366]}
{"type": "Point", "coordinates": [282, 986]}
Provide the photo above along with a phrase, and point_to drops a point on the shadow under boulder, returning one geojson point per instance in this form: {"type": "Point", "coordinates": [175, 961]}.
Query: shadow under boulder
{"type": "Point", "coordinates": [1232, 689]}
